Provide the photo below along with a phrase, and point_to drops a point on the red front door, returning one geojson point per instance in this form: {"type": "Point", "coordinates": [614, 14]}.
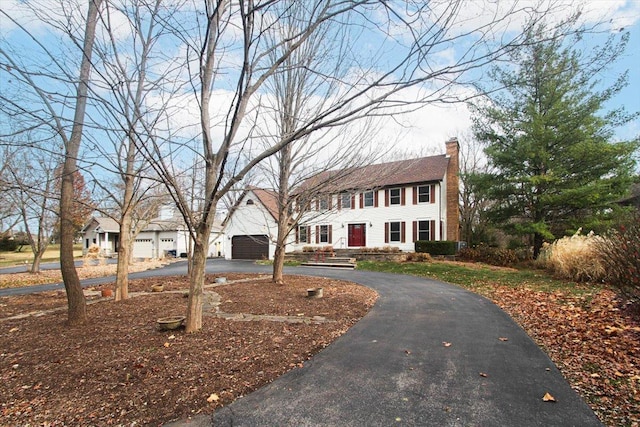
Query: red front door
{"type": "Point", "coordinates": [357, 235]}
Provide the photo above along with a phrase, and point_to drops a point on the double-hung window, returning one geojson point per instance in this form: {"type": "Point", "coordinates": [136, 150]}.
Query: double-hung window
{"type": "Point", "coordinates": [424, 194]}
{"type": "Point", "coordinates": [395, 197]}
{"type": "Point", "coordinates": [395, 232]}
{"type": "Point", "coordinates": [345, 201]}
{"type": "Point", "coordinates": [324, 234]}
{"type": "Point", "coordinates": [323, 204]}
{"type": "Point", "coordinates": [368, 199]}
{"type": "Point", "coordinates": [424, 231]}
{"type": "Point", "coordinates": [303, 234]}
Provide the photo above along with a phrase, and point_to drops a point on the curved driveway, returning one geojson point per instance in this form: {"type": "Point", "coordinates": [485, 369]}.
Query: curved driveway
{"type": "Point", "coordinates": [427, 354]}
{"type": "Point", "coordinates": [396, 367]}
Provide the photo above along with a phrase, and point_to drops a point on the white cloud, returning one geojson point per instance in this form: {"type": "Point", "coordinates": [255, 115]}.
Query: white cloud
{"type": "Point", "coordinates": [40, 16]}
{"type": "Point", "coordinates": [618, 13]}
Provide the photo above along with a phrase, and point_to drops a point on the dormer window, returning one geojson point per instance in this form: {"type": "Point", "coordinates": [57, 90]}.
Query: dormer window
{"type": "Point", "coordinates": [250, 202]}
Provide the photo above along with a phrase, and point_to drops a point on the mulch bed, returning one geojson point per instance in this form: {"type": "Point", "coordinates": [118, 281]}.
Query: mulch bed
{"type": "Point", "coordinates": [120, 369]}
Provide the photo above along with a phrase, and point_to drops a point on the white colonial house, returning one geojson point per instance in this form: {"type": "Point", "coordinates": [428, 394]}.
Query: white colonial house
{"type": "Point", "coordinates": [164, 236]}
{"type": "Point", "coordinates": [388, 204]}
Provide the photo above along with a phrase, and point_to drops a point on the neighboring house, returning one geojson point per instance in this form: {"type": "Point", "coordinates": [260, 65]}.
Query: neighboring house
{"type": "Point", "coordinates": [633, 199]}
{"type": "Point", "coordinates": [389, 204]}
{"type": "Point", "coordinates": [164, 236]}
{"type": "Point", "coordinates": [102, 232]}
{"type": "Point", "coordinates": [250, 228]}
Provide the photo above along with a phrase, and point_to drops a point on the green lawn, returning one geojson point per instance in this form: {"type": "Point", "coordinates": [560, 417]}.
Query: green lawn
{"type": "Point", "coordinates": [476, 277]}
{"type": "Point", "coordinates": [8, 259]}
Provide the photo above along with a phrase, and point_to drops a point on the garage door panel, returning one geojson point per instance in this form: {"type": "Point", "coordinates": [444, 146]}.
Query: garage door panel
{"type": "Point", "coordinates": [250, 247]}
{"type": "Point", "coordinates": [143, 248]}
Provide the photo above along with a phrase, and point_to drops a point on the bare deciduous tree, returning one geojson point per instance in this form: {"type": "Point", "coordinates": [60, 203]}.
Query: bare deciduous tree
{"type": "Point", "coordinates": [298, 93]}
{"type": "Point", "coordinates": [125, 92]}
{"type": "Point", "coordinates": [397, 68]}
{"type": "Point", "coordinates": [473, 204]}
{"type": "Point", "coordinates": [34, 196]}
{"type": "Point", "coordinates": [54, 91]}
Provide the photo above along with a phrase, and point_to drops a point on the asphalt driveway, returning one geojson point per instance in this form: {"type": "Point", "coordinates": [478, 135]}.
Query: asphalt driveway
{"type": "Point", "coordinates": [428, 354]}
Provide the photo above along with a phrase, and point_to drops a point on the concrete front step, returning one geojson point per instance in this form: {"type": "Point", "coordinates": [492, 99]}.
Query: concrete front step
{"type": "Point", "coordinates": [332, 259]}
{"type": "Point", "coordinates": [344, 265]}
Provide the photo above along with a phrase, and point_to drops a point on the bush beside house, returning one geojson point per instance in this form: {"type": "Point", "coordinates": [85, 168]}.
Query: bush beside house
{"type": "Point", "coordinates": [437, 247]}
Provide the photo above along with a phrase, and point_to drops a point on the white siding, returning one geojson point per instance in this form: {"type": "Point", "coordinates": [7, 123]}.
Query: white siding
{"type": "Point", "coordinates": [375, 218]}
{"type": "Point", "coordinates": [250, 219]}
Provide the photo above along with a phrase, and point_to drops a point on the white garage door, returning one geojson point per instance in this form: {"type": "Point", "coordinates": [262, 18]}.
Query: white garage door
{"type": "Point", "coordinates": [143, 248]}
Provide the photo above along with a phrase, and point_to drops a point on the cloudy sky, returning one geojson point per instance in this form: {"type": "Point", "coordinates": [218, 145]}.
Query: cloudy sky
{"type": "Point", "coordinates": [428, 129]}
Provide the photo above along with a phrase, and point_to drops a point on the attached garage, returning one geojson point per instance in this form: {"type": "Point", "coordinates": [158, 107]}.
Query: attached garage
{"type": "Point", "coordinates": [250, 247]}
{"type": "Point", "coordinates": [143, 248]}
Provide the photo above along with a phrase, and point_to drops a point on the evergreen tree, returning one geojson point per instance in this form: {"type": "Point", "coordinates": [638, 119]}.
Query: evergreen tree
{"type": "Point", "coordinates": [554, 167]}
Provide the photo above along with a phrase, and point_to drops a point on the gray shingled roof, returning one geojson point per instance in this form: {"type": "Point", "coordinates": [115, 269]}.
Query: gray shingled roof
{"type": "Point", "coordinates": [108, 225]}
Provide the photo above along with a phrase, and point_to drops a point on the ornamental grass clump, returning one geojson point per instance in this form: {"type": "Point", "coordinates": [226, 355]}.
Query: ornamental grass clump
{"type": "Point", "coordinates": [619, 252]}
{"type": "Point", "coordinates": [574, 257]}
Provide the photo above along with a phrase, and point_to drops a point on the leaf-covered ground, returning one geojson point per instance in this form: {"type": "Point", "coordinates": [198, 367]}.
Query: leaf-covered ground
{"type": "Point", "coordinates": [89, 270]}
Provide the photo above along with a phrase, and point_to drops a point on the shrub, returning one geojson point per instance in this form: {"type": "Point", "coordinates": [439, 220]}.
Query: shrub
{"type": "Point", "coordinates": [384, 249]}
{"type": "Point", "coordinates": [490, 255]}
{"type": "Point", "coordinates": [8, 244]}
{"type": "Point", "coordinates": [619, 252]}
{"type": "Point", "coordinates": [575, 258]}
{"type": "Point", "coordinates": [436, 247]}
{"type": "Point", "coordinates": [418, 257]}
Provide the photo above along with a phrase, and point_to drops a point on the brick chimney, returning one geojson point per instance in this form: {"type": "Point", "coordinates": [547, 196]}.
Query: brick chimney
{"type": "Point", "coordinates": [453, 190]}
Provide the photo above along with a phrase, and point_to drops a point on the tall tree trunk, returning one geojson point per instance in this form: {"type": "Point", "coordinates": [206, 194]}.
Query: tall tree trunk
{"type": "Point", "coordinates": [77, 311]}
{"type": "Point", "coordinates": [538, 241]}
{"type": "Point", "coordinates": [284, 173]}
{"type": "Point", "coordinates": [196, 284]}
{"type": "Point", "coordinates": [35, 265]}
{"type": "Point", "coordinates": [125, 236]}
{"type": "Point", "coordinates": [124, 256]}
{"type": "Point", "coordinates": [278, 256]}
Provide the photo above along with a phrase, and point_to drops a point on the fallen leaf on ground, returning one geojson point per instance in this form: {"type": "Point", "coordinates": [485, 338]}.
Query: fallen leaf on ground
{"type": "Point", "coordinates": [446, 344]}
{"type": "Point", "coordinates": [548, 398]}
{"type": "Point", "coordinates": [482, 374]}
{"type": "Point", "coordinates": [213, 398]}
{"type": "Point", "coordinates": [503, 339]}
